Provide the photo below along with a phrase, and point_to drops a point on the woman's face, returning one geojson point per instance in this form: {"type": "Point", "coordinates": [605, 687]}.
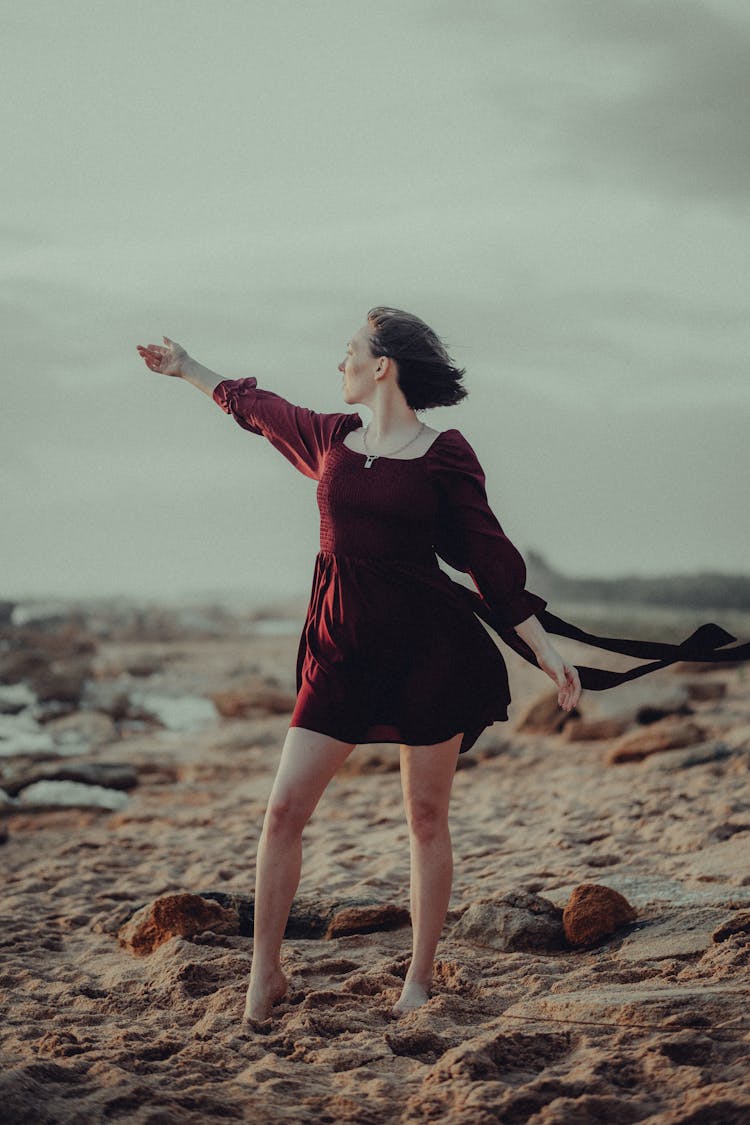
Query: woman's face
{"type": "Point", "coordinates": [358, 368]}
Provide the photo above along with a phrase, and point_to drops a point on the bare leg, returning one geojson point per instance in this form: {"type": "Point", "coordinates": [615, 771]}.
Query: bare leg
{"type": "Point", "coordinates": [308, 762]}
{"type": "Point", "coordinates": [426, 778]}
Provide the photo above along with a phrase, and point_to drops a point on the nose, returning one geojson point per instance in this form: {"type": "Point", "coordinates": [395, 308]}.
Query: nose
{"type": "Point", "coordinates": [341, 367]}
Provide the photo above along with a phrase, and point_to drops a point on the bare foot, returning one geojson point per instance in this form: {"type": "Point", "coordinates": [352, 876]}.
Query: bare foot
{"type": "Point", "coordinates": [413, 996]}
{"type": "Point", "coordinates": [262, 994]}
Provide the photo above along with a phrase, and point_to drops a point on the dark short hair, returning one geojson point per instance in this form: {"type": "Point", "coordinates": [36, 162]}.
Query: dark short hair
{"type": "Point", "coordinates": [427, 375]}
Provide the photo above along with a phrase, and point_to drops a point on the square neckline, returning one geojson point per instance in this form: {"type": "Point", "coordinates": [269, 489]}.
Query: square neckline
{"type": "Point", "coordinates": [381, 457]}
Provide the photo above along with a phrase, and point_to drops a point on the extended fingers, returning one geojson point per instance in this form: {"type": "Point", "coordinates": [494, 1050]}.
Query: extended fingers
{"type": "Point", "coordinates": [152, 355]}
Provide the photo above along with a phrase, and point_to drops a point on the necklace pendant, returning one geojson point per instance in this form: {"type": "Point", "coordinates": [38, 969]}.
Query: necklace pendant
{"type": "Point", "coordinates": [369, 461]}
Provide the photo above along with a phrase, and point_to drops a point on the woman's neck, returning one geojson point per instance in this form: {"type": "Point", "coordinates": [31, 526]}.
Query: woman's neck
{"type": "Point", "coordinates": [390, 421]}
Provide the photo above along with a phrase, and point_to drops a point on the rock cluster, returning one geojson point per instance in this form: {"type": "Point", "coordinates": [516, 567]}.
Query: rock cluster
{"type": "Point", "coordinates": [527, 921]}
{"type": "Point", "coordinates": [220, 912]}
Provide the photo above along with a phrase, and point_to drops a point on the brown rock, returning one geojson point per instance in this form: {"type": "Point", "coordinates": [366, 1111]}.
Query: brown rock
{"type": "Point", "coordinates": [312, 917]}
{"type": "Point", "coordinates": [667, 734]}
{"type": "Point", "coordinates": [253, 700]}
{"type": "Point", "coordinates": [544, 716]}
{"type": "Point", "coordinates": [367, 920]}
{"type": "Point", "coordinates": [593, 912]}
{"type": "Point", "coordinates": [594, 730]}
{"type": "Point", "coordinates": [700, 691]}
{"type": "Point", "coordinates": [172, 916]}
{"type": "Point", "coordinates": [737, 926]}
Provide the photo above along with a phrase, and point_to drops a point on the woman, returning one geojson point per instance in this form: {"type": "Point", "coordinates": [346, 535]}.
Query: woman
{"type": "Point", "coordinates": [392, 649]}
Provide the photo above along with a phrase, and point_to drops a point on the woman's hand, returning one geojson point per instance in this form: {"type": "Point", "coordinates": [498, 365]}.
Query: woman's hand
{"type": "Point", "coordinates": [564, 675]}
{"type": "Point", "coordinates": [168, 360]}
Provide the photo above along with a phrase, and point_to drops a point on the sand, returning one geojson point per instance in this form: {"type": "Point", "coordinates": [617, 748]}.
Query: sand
{"type": "Point", "coordinates": [650, 1025]}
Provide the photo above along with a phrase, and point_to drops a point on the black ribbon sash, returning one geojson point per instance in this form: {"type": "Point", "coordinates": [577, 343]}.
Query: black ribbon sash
{"type": "Point", "coordinates": [701, 646]}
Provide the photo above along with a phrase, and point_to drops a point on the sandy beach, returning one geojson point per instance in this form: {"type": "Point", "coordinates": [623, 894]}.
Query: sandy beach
{"type": "Point", "coordinates": [644, 1024]}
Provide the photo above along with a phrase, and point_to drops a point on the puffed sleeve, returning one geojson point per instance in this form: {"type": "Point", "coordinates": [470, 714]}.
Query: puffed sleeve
{"type": "Point", "coordinates": [302, 435]}
{"type": "Point", "coordinates": [469, 537]}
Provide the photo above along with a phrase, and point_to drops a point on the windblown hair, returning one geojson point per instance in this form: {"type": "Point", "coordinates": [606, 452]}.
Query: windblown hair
{"type": "Point", "coordinates": [427, 375]}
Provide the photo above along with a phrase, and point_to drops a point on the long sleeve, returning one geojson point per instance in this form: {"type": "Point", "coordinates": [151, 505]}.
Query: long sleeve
{"type": "Point", "coordinates": [470, 539]}
{"type": "Point", "coordinates": [302, 435]}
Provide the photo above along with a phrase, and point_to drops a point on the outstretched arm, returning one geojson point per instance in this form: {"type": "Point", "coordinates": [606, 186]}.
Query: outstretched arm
{"type": "Point", "coordinates": [172, 359]}
{"type": "Point", "coordinates": [303, 436]}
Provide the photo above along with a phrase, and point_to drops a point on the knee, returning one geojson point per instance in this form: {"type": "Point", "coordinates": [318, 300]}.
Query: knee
{"type": "Point", "coordinates": [285, 818]}
{"type": "Point", "coordinates": [426, 821]}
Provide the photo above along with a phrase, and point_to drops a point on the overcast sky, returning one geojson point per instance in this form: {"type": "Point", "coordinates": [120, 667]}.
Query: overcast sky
{"type": "Point", "coordinates": [559, 187]}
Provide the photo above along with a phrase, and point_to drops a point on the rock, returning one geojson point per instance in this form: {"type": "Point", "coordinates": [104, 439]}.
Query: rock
{"type": "Point", "coordinates": [312, 917]}
{"type": "Point", "coordinates": [727, 861]}
{"type": "Point", "coordinates": [593, 730]}
{"type": "Point", "coordinates": [62, 681]}
{"type": "Point", "coordinates": [635, 1003]}
{"type": "Point", "coordinates": [90, 728]}
{"type": "Point", "coordinates": [141, 667]}
{"type": "Point", "coordinates": [254, 699]}
{"type": "Point", "coordinates": [593, 912]}
{"type": "Point", "coordinates": [738, 738]}
{"type": "Point", "coordinates": [685, 933]}
{"type": "Point", "coordinates": [648, 714]}
{"type": "Point", "coordinates": [15, 698]}
{"type": "Point", "coordinates": [692, 756]}
{"type": "Point", "coordinates": [367, 920]}
{"type": "Point", "coordinates": [544, 716]}
{"type": "Point", "coordinates": [21, 734]}
{"type": "Point", "coordinates": [517, 921]}
{"type": "Point", "coordinates": [183, 712]}
{"type": "Point", "coordinates": [6, 801]}
{"type": "Point", "coordinates": [110, 697]}
{"type": "Point", "coordinates": [178, 915]}
{"type": "Point", "coordinates": [666, 734]}
{"type": "Point", "coordinates": [3, 833]}
{"type": "Point", "coordinates": [727, 829]}
{"type": "Point", "coordinates": [638, 697]}
{"type": "Point", "coordinates": [736, 926]}
{"type": "Point", "coordinates": [70, 794]}
{"type": "Point", "coordinates": [109, 775]}
{"type": "Point", "coordinates": [701, 691]}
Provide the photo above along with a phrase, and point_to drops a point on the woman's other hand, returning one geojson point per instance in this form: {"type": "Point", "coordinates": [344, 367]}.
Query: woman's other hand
{"type": "Point", "coordinates": [169, 359]}
{"type": "Point", "coordinates": [564, 675]}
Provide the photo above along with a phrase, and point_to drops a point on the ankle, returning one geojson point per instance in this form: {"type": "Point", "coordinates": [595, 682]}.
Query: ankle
{"type": "Point", "coordinates": [423, 979]}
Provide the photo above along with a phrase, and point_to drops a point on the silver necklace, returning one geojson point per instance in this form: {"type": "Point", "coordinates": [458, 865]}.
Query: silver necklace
{"type": "Point", "coordinates": [373, 456]}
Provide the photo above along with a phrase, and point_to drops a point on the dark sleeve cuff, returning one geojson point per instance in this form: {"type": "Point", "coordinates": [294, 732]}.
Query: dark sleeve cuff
{"type": "Point", "coordinates": [519, 608]}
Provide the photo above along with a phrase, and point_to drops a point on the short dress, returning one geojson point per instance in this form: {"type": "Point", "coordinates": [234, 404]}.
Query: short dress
{"type": "Point", "coordinates": [392, 648]}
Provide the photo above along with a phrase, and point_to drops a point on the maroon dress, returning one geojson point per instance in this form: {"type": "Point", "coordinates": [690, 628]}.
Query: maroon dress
{"type": "Point", "coordinates": [392, 649]}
